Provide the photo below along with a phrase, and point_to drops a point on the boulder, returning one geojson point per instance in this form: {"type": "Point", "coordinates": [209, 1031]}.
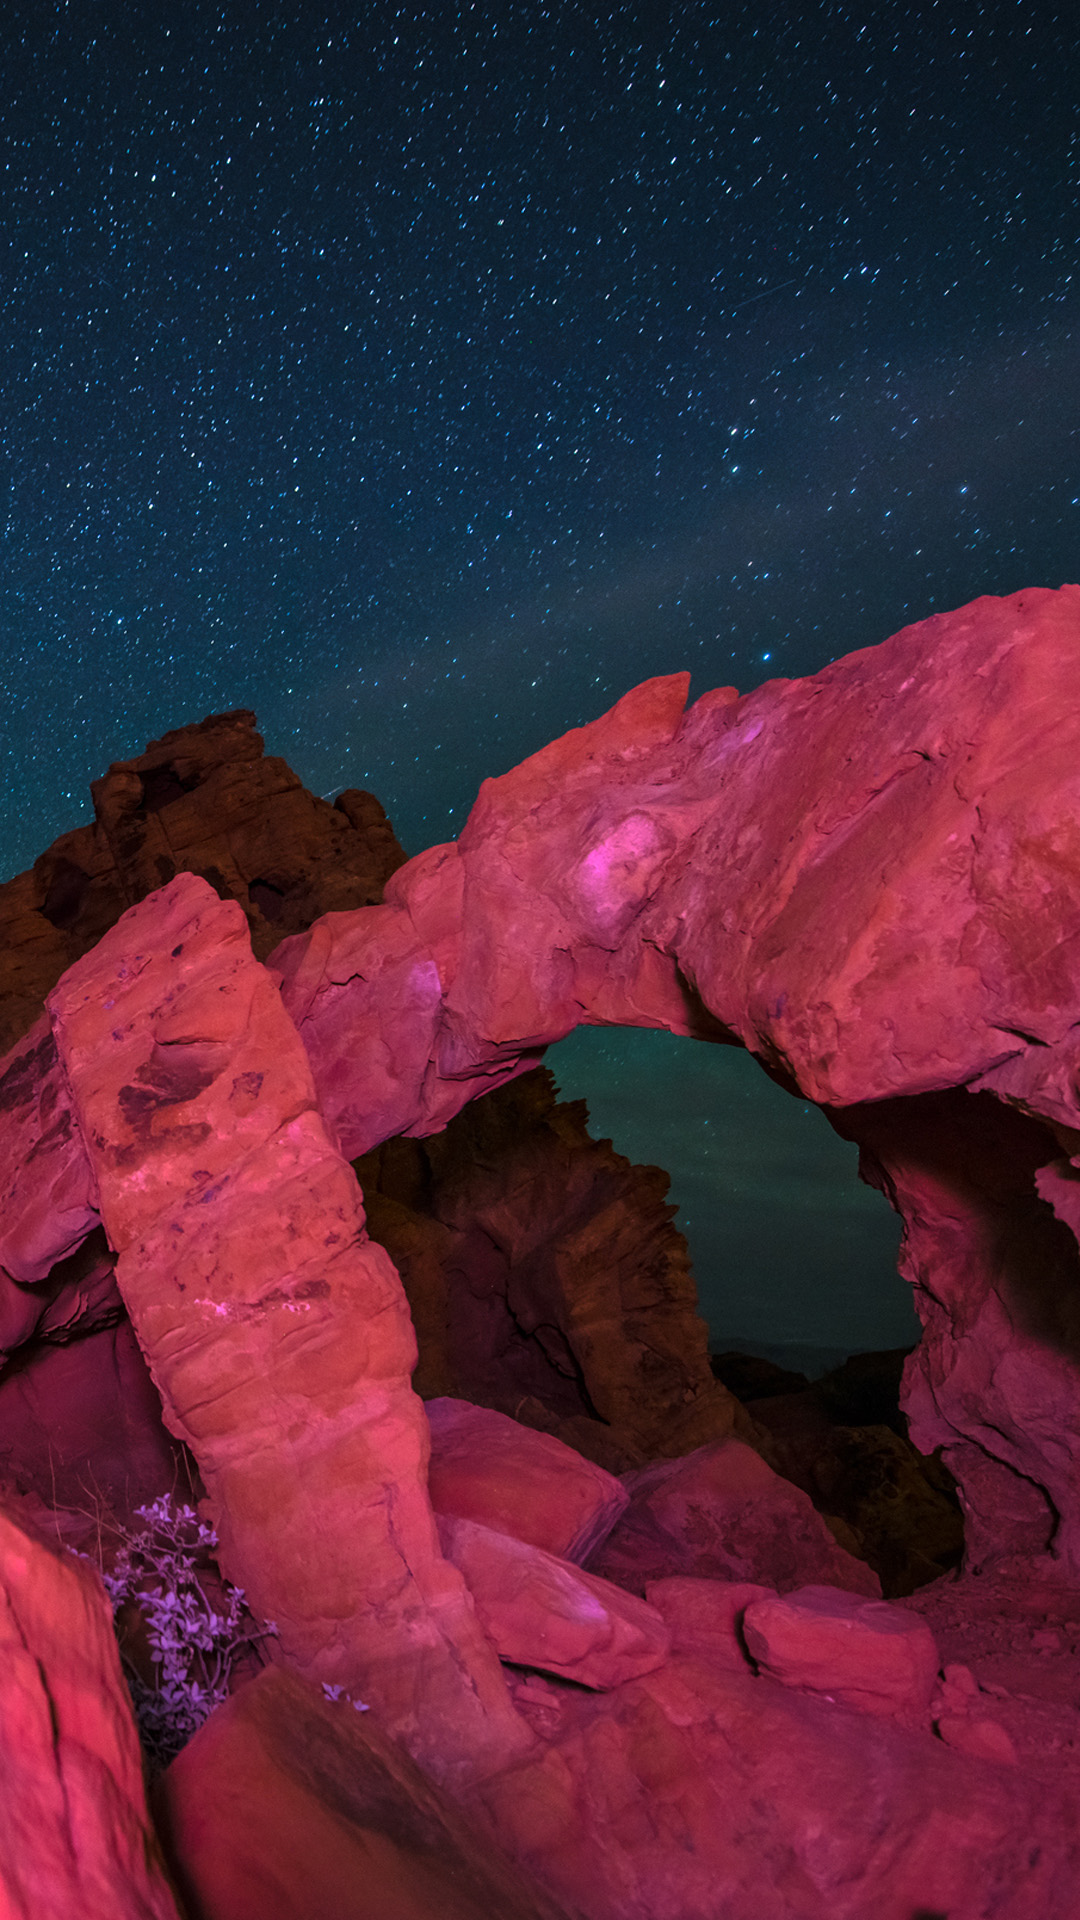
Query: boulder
{"type": "Point", "coordinates": [81, 1427]}
{"type": "Point", "coordinates": [863, 1653]}
{"type": "Point", "coordinates": [695, 1793]}
{"type": "Point", "coordinates": [977, 1735]}
{"type": "Point", "coordinates": [486, 1467]}
{"type": "Point", "coordinates": [75, 1831]}
{"type": "Point", "coordinates": [705, 1617]}
{"type": "Point", "coordinates": [721, 1513]}
{"type": "Point", "coordinates": [540, 1611]}
{"type": "Point", "coordinates": [289, 1806]}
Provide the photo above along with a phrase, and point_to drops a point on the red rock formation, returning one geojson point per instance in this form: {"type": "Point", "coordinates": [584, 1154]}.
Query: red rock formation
{"type": "Point", "coordinates": [705, 1616]}
{"type": "Point", "coordinates": [486, 1467]}
{"type": "Point", "coordinates": [541, 1611]}
{"type": "Point", "coordinates": [722, 1513]}
{"type": "Point", "coordinates": [572, 1330]}
{"type": "Point", "coordinates": [862, 1653]}
{"type": "Point", "coordinates": [694, 1793]}
{"type": "Point", "coordinates": [868, 878]}
{"type": "Point", "coordinates": [278, 1335]}
{"type": "Point", "coordinates": [81, 1427]}
{"type": "Point", "coordinates": [545, 1275]}
{"type": "Point", "coordinates": [286, 1806]}
{"type": "Point", "coordinates": [75, 1833]}
{"type": "Point", "coordinates": [203, 799]}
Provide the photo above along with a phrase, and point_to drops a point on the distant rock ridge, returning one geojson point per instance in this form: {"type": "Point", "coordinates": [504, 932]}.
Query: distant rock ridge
{"type": "Point", "coordinates": [203, 799]}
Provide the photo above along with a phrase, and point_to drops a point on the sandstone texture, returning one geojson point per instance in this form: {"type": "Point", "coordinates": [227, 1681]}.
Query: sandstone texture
{"type": "Point", "coordinates": [287, 1806]}
{"type": "Point", "coordinates": [722, 1513]}
{"type": "Point", "coordinates": [277, 1334]}
{"type": "Point", "coordinates": [863, 1653]}
{"type": "Point", "coordinates": [705, 1617]}
{"type": "Point", "coordinates": [75, 1832]}
{"type": "Point", "coordinates": [843, 1440]}
{"type": "Point", "coordinates": [546, 1277]}
{"type": "Point", "coordinates": [486, 1467]}
{"type": "Point", "coordinates": [81, 1427]}
{"type": "Point", "coordinates": [697, 1794]}
{"type": "Point", "coordinates": [866, 877]}
{"type": "Point", "coordinates": [540, 1611]}
{"type": "Point", "coordinates": [204, 799]}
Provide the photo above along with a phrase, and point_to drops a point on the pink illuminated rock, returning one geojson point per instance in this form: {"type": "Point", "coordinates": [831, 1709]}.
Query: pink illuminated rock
{"type": "Point", "coordinates": [47, 1193]}
{"type": "Point", "coordinates": [978, 1736]}
{"type": "Point", "coordinates": [286, 1806]}
{"type": "Point", "coordinates": [486, 1467]}
{"type": "Point", "coordinates": [723, 1514]}
{"type": "Point", "coordinates": [866, 877]}
{"type": "Point", "coordinates": [278, 1335]}
{"type": "Point", "coordinates": [693, 1794]}
{"type": "Point", "coordinates": [706, 1616]}
{"type": "Point", "coordinates": [75, 1833]}
{"type": "Point", "coordinates": [543, 1612]}
{"type": "Point", "coordinates": [863, 1653]}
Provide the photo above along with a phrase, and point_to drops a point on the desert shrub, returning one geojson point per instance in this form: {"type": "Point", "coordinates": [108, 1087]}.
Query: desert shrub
{"type": "Point", "coordinates": [161, 1570]}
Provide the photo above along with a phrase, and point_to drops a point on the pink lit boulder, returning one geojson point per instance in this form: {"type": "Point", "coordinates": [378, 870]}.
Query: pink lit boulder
{"type": "Point", "coordinates": [542, 1612]}
{"type": "Point", "coordinates": [723, 1514]}
{"type": "Point", "coordinates": [705, 1616]}
{"type": "Point", "coordinates": [486, 1467]}
{"type": "Point", "coordinates": [862, 1653]}
{"type": "Point", "coordinates": [76, 1841]}
{"type": "Point", "coordinates": [288, 1806]}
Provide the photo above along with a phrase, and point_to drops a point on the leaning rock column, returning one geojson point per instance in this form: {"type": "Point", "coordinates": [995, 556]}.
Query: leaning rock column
{"type": "Point", "coordinates": [278, 1334]}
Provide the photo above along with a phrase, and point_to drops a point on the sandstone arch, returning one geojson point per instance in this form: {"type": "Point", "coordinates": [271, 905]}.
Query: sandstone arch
{"type": "Point", "coordinates": [870, 878]}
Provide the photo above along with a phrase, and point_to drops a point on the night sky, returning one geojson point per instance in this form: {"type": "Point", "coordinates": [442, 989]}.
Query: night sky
{"type": "Point", "coordinates": [424, 377]}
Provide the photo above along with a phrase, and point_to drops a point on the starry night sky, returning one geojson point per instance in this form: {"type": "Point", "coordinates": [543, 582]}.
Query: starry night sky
{"type": "Point", "coordinates": [425, 376]}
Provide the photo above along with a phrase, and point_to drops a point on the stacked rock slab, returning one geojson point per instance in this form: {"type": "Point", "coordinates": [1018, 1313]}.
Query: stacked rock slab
{"type": "Point", "coordinates": [868, 878]}
{"type": "Point", "coordinates": [278, 1335]}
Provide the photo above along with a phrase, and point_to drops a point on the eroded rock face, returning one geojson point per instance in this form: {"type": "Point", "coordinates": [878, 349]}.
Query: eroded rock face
{"type": "Point", "coordinates": [484, 1466]}
{"type": "Point", "coordinates": [75, 1833]}
{"type": "Point", "coordinates": [541, 1267]}
{"type": "Point", "coordinates": [863, 1653]}
{"type": "Point", "coordinates": [542, 1611]}
{"type": "Point", "coordinates": [722, 1513]}
{"type": "Point", "coordinates": [288, 1807]}
{"type": "Point", "coordinates": [277, 1334]}
{"type": "Point", "coordinates": [694, 1793]}
{"type": "Point", "coordinates": [204, 799]}
{"type": "Point", "coordinates": [867, 877]}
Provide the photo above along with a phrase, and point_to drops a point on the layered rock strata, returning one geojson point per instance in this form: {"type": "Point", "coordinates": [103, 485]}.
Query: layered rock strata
{"type": "Point", "coordinates": [277, 1333]}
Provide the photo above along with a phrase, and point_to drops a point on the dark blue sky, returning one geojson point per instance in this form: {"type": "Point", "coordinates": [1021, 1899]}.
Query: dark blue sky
{"type": "Point", "coordinates": [424, 376]}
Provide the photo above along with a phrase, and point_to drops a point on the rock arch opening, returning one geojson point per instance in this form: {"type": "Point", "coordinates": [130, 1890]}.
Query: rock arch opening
{"type": "Point", "coordinates": [794, 1257]}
